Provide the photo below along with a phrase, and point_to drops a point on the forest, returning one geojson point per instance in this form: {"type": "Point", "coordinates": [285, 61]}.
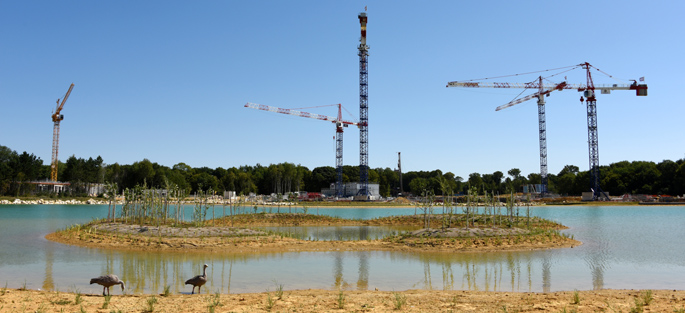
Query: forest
{"type": "Point", "coordinates": [625, 177]}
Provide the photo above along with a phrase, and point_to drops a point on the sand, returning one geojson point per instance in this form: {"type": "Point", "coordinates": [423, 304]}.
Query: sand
{"type": "Point", "coordinates": [13, 300]}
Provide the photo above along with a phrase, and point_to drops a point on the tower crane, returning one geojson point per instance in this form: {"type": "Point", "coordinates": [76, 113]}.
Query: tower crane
{"type": "Point", "coordinates": [339, 124]}
{"type": "Point", "coordinates": [363, 109]}
{"type": "Point", "coordinates": [57, 117]}
{"type": "Point", "coordinates": [588, 90]}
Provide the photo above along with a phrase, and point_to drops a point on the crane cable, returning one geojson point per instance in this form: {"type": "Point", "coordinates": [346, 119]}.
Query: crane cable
{"type": "Point", "coordinates": [527, 73]}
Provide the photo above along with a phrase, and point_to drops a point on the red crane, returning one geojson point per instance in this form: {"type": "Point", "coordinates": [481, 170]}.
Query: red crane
{"type": "Point", "coordinates": [339, 124]}
{"type": "Point", "coordinates": [57, 117]}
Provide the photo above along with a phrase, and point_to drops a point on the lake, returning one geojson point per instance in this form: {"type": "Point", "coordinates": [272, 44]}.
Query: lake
{"type": "Point", "coordinates": [624, 247]}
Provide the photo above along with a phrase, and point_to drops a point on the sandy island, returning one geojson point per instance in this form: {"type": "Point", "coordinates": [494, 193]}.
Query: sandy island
{"type": "Point", "coordinates": [232, 234]}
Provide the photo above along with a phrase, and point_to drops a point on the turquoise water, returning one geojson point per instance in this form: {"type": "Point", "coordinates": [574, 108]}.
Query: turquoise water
{"type": "Point", "coordinates": [637, 247]}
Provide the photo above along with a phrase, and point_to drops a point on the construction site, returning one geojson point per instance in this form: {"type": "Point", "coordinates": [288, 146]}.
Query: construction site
{"type": "Point", "coordinates": [364, 190]}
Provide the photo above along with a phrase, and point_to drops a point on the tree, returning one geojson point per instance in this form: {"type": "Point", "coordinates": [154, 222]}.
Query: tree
{"type": "Point", "coordinates": [515, 173]}
{"type": "Point", "coordinates": [475, 180]}
{"type": "Point", "coordinates": [321, 177]}
{"type": "Point", "coordinates": [418, 185]}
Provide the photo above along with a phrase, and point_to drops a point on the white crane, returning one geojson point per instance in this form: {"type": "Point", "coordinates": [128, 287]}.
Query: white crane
{"type": "Point", "coordinates": [339, 124]}
{"type": "Point", "coordinates": [588, 90]}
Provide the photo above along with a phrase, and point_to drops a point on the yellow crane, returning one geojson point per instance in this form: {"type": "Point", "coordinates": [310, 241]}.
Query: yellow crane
{"type": "Point", "coordinates": [57, 117]}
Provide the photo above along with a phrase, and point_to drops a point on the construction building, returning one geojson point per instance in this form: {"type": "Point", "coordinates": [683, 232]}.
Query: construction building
{"type": "Point", "coordinates": [352, 189]}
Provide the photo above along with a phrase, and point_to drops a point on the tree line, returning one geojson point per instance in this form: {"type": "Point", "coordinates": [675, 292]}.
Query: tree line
{"type": "Point", "coordinates": [637, 177]}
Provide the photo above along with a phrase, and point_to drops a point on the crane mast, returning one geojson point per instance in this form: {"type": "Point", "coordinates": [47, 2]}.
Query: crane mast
{"type": "Point", "coordinates": [57, 117]}
{"type": "Point", "coordinates": [588, 90]}
{"type": "Point", "coordinates": [363, 110]}
{"type": "Point", "coordinates": [339, 125]}
{"type": "Point", "coordinates": [542, 124]}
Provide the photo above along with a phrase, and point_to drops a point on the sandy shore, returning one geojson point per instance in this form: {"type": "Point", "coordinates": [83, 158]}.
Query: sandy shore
{"type": "Point", "coordinates": [13, 300]}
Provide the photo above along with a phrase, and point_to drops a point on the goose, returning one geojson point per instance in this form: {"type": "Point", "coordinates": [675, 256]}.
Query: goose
{"type": "Point", "coordinates": [198, 280]}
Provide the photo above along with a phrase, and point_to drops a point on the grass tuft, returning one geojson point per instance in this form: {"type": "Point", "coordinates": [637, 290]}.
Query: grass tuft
{"type": "Point", "coordinates": [341, 300]}
{"type": "Point", "coordinates": [576, 297]}
{"type": "Point", "coordinates": [279, 290]}
{"type": "Point", "coordinates": [106, 303]}
{"type": "Point", "coordinates": [151, 301]}
{"type": "Point", "coordinates": [214, 302]}
{"type": "Point", "coordinates": [647, 297]}
{"type": "Point", "coordinates": [269, 301]}
{"type": "Point", "coordinates": [78, 299]}
{"type": "Point", "coordinates": [400, 300]}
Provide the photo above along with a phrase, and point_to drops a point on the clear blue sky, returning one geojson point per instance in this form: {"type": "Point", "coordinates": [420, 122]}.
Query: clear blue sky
{"type": "Point", "coordinates": [167, 81]}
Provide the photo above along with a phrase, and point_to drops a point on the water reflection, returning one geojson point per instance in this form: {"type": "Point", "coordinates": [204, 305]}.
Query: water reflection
{"type": "Point", "coordinates": [151, 272]}
{"type": "Point", "coordinates": [598, 249]}
{"type": "Point", "coordinates": [49, 282]}
{"type": "Point", "coordinates": [338, 233]}
{"type": "Point", "coordinates": [607, 259]}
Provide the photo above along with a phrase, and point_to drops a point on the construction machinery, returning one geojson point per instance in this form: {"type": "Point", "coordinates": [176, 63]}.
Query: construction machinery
{"type": "Point", "coordinates": [339, 125]}
{"type": "Point", "coordinates": [544, 89]}
{"type": "Point", "coordinates": [57, 117]}
{"type": "Point", "coordinates": [363, 111]}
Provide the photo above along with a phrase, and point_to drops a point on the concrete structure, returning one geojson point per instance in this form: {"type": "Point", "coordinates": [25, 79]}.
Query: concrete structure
{"type": "Point", "coordinates": [352, 189]}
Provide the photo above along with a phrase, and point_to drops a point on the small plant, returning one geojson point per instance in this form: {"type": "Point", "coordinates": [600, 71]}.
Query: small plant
{"type": "Point", "coordinates": [151, 301]}
{"type": "Point", "coordinates": [4, 290]}
{"type": "Point", "coordinates": [82, 309]}
{"type": "Point", "coordinates": [77, 298]}
{"type": "Point", "coordinates": [681, 310]}
{"type": "Point", "coordinates": [399, 300]}
{"type": "Point", "coordinates": [23, 287]}
{"type": "Point", "coordinates": [638, 308]}
{"type": "Point", "coordinates": [279, 290]}
{"type": "Point", "coordinates": [341, 300]}
{"type": "Point", "coordinates": [106, 303]}
{"type": "Point", "coordinates": [167, 291]}
{"type": "Point", "coordinates": [576, 297]}
{"type": "Point", "coordinates": [269, 301]}
{"type": "Point", "coordinates": [647, 297]}
{"type": "Point", "coordinates": [214, 302]}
